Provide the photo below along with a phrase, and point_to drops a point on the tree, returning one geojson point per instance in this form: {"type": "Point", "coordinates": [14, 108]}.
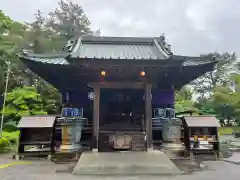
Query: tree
{"type": "Point", "coordinates": [69, 20]}
{"type": "Point", "coordinates": [185, 93]}
{"type": "Point", "coordinates": [205, 106]}
{"type": "Point", "coordinates": [46, 34]}
{"type": "Point", "coordinates": [218, 77]}
{"type": "Point", "coordinates": [24, 101]}
{"type": "Point", "coordinates": [236, 96]}
{"type": "Point", "coordinates": [5, 46]}
{"type": "Point", "coordinates": [51, 97]}
{"type": "Point", "coordinates": [223, 102]}
{"type": "Point", "coordinates": [11, 37]}
{"type": "Point", "coordinates": [52, 32]}
{"type": "Point", "coordinates": [183, 100]}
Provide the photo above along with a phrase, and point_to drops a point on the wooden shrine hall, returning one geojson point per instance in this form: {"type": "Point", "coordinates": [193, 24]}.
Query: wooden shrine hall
{"type": "Point", "coordinates": [118, 81]}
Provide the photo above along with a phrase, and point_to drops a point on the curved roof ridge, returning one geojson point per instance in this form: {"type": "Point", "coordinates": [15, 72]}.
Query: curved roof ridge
{"type": "Point", "coordinates": [118, 40]}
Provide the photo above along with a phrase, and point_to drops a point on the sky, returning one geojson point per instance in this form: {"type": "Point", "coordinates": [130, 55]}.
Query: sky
{"type": "Point", "coordinates": [192, 27]}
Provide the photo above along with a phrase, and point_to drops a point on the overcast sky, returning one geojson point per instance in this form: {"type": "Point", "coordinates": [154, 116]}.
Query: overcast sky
{"type": "Point", "coordinates": [192, 27]}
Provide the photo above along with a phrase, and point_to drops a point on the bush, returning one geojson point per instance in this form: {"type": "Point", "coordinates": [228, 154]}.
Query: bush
{"type": "Point", "coordinates": [8, 140]}
{"type": "Point", "coordinates": [10, 126]}
{"type": "Point", "coordinates": [12, 137]}
{"type": "Point", "coordinates": [4, 145]}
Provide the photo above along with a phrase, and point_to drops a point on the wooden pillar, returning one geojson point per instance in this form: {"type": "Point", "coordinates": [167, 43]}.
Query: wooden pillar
{"type": "Point", "coordinates": [96, 111]}
{"type": "Point", "coordinates": [148, 114]}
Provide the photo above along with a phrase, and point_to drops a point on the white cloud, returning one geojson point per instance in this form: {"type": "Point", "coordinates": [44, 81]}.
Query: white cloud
{"type": "Point", "coordinates": [192, 27]}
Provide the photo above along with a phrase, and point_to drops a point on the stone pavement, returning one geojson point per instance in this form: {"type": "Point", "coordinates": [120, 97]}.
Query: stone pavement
{"type": "Point", "coordinates": [125, 163]}
{"type": "Point", "coordinates": [235, 158]}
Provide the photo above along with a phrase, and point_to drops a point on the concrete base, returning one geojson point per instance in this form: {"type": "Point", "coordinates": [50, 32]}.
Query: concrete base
{"type": "Point", "coordinates": [150, 149]}
{"type": "Point", "coordinates": [49, 157]}
{"type": "Point", "coordinates": [95, 150]}
{"type": "Point", "coordinates": [125, 163]}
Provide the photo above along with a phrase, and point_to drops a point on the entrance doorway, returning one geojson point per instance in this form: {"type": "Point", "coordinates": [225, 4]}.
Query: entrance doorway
{"type": "Point", "coordinates": [122, 118]}
{"type": "Point", "coordinates": [122, 110]}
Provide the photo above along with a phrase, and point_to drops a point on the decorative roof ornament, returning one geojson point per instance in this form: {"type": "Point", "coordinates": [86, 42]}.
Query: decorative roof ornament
{"type": "Point", "coordinates": [165, 46]}
{"type": "Point", "coordinates": [23, 52]}
{"type": "Point", "coordinates": [69, 45]}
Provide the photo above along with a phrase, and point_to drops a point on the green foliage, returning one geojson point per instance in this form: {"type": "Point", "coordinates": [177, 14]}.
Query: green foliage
{"type": "Point", "coordinates": [216, 96]}
{"type": "Point", "coordinates": [51, 97]}
{"type": "Point", "coordinates": [205, 106]}
{"type": "Point", "coordinates": [184, 94]}
{"type": "Point", "coordinates": [23, 101]}
{"type": "Point", "coordinates": [8, 141]}
{"type": "Point", "coordinates": [10, 126]}
{"type": "Point", "coordinates": [5, 22]}
{"type": "Point", "coordinates": [205, 84]}
{"type": "Point", "coordinates": [224, 102]}
{"type": "Point", "coordinates": [185, 105]}
{"type": "Point", "coordinates": [12, 137]}
{"type": "Point", "coordinates": [11, 38]}
{"type": "Point", "coordinates": [50, 33]}
{"type": "Point", "coordinates": [4, 144]}
{"type": "Point", "coordinates": [228, 130]}
{"type": "Point", "coordinates": [183, 100]}
{"type": "Point", "coordinates": [73, 21]}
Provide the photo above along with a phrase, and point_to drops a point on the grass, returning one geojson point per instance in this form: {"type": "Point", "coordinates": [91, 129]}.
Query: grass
{"type": "Point", "coordinates": [228, 130]}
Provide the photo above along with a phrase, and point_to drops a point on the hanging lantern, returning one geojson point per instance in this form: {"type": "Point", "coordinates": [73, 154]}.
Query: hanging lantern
{"type": "Point", "coordinates": [103, 73]}
{"type": "Point", "coordinates": [142, 73]}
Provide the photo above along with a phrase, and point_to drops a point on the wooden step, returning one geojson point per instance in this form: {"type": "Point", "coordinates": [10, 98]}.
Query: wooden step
{"type": "Point", "coordinates": [138, 142]}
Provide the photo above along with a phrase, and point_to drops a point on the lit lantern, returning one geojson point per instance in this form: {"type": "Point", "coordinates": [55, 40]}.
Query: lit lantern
{"type": "Point", "coordinates": [142, 73]}
{"type": "Point", "coordinates": [103, 73]}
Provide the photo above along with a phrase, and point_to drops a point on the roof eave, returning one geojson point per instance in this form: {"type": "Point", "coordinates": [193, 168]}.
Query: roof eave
{"type": "Point", "coordinates": [52, 61]}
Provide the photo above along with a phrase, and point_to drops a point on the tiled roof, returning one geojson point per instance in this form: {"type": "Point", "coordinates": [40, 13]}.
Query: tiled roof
{"type": "Point", "coordinates": [194, 60]}
{"type": "Point", "coordinates": [43, 58]}
{"type": "Point", "coordinates": [61, 61]}
{"type": "Point", "coordinates": [201, 121]}
{"type": "Point", "coordinates": [120, 48]}
{"type": "Point", "coordinates": [118, 51]}
{"type": "Point", "coordinates": [102, 47]}
{"type": "Point", "coordinates": [36, 121]}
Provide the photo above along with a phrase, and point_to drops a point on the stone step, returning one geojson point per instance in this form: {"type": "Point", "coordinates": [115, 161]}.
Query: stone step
{"type": "Point", "coordinates": [125, 163]}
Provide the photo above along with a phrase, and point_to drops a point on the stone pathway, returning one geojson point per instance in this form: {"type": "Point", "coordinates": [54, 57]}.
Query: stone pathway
{"type": "Point", "coordinates": [125, 163]}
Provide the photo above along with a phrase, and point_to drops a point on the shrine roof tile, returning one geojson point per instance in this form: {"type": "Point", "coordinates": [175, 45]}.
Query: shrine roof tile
{"type": "Point", "coordinates": [43, 58]}
{"type": "Point", "coordinates": [121, 48]}
{"type": "Point", "coordinates": [43, 121]}
{"type": "Point", "coordinates": [201, 121]}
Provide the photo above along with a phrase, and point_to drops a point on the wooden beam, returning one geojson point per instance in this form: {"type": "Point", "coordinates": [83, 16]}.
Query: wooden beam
{"type": "Point", "coordinates": [148, 114]}
{"type": "Point", "coordinates": [118, 85]}
{"type": "Point", "coordinates": [96, 110]}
